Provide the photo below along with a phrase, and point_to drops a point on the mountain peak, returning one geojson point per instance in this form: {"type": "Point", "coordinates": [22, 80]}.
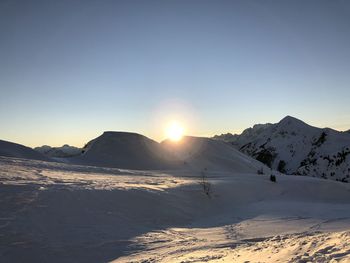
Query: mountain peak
{"type": "Point", "coordinates": [291, 121]}
{"type": "Point", "coordinates": [290, 118]}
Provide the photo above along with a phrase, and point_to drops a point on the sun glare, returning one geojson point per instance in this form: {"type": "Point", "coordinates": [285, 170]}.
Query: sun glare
{"type": "Point", "coordinates": [175, 131]}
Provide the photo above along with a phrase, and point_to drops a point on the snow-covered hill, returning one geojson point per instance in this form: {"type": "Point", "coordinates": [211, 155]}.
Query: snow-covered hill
{"type": "Point", "coordinates": [11, 149]}
{"type": "Point", "coordinates": [205, 154]}
{"type": "Point", "coordinates": [63, 151]}
{"type": "Point", "coordinates": [294, 147]}
{"type": "Point", "coordinates": [125, 150]}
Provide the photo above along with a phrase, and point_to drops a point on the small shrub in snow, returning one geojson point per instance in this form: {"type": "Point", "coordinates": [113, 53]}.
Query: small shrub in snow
{"type": "Point", "coordinates": [260, 171]}
{"type": "Point", "coordinates": [205, 184]}
{"type": "Point", "coordinates": [273, 178]}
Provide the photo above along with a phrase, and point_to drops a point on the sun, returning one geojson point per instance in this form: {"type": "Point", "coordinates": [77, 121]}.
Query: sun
{"type": "Point", "coordinates": [175, 131]}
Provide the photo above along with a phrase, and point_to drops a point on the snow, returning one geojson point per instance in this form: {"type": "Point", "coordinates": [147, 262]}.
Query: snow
{"type": "Point", "coordinates": [211, 245]}
{"type": "Point", "coordinates": [56, 212]}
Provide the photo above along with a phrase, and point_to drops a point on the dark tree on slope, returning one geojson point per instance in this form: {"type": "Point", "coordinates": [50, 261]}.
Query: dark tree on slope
{"type": "Point", "coordinates": [321, 139]}
{"type": "Point", "coordinates": [266, 156]}
{"type": "Point", "coordinates": [281, 166]}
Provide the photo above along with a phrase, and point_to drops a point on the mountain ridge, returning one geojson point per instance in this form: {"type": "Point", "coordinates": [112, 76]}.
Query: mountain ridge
{"type": "Point", "coordinates": [58, 152]}
{"type": "Point", "coordinates": [295, 147]}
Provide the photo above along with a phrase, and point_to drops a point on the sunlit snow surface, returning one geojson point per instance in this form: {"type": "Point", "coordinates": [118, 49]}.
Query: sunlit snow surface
{"type": "Point", "coordinates": [47, 174]}
{"type": "Point", "coordinates": [51, 212]}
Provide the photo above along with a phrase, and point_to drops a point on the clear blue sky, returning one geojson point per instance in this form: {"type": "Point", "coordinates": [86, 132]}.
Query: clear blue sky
{"type": "Point", "coordinates": [71, 69]}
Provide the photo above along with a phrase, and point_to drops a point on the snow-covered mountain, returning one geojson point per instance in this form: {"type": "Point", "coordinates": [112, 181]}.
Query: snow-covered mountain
{"type": "Point", "coordinates": [226, 137]}
{"type": "Point", "coordinates": [247, 134]}
{"type": "Point", "coordinates": [294, 147]}
{"type": "Point", "coordinates": [11, 149]}
{"type": "Point", "coordinates": [63, 151]}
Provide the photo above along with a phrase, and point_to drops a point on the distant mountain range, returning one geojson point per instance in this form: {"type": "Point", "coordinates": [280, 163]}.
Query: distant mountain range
{"type": "Point", "coordinates": [59, 152]}
{"type": "Point", "coordinates": [294, 147]}
{"type": "Point", "coordinates": [289, 146]}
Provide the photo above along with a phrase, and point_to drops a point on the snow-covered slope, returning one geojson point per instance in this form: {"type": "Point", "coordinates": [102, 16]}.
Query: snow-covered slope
{"type": "Point", "coordinates": [126, 150]}
{"type": "Point", "coordinates": [11, 149]}
{"type": "Point", "coordinates": [294, 147]}
{"type": "Point", "coordinates": [204, 154]}
{"type": "Point", "coordinates": [54, 212]}
{"type": "Point", "coordinates": [63, 151]}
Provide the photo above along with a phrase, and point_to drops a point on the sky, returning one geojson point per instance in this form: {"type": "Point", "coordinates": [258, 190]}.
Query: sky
{"type": "Point", "coordinates": [70, 70]}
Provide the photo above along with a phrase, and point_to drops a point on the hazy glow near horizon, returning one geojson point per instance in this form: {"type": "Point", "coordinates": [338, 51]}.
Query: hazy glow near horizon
{"type": "Point", "coordinates": [175, 131]}
{"type": "Point", "coordinates": [71, 70]}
